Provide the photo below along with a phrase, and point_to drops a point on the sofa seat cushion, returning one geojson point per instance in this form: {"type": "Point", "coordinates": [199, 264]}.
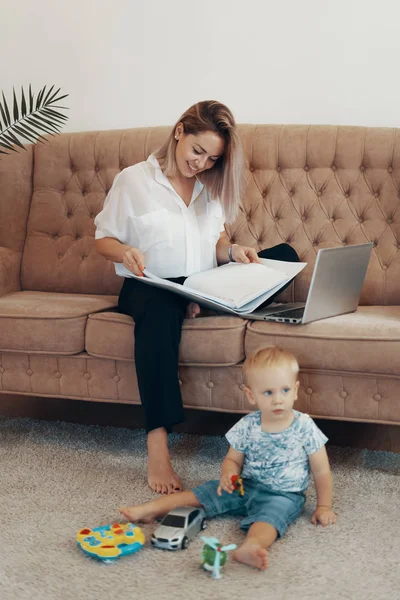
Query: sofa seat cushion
{"type": "Point", "coordinates": [367, 340]}
{"type": "Point", "coordinates": [214, 340]}
{"type": "Point", "coordinates": [47, 322]}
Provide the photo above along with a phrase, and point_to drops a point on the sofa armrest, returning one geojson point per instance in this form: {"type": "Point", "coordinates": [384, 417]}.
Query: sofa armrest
{"type": "Point", "coordinates": [10, 264]}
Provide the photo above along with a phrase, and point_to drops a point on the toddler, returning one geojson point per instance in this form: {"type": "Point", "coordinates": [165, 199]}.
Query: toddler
{"type": "Point", "coordinates": [273, 449]}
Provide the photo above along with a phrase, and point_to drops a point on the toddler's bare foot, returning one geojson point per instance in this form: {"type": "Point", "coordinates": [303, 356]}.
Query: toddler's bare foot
{"type": "Point", "coordinates": [193, 309]}
{"type": "Point", "coordinates": [253, 555]}
{"type": "Point", "coordinates": [142, 513]}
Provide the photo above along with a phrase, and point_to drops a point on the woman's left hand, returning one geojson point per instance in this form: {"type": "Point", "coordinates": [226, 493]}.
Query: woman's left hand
{"type": "Point", "coordinates": [244, 254]}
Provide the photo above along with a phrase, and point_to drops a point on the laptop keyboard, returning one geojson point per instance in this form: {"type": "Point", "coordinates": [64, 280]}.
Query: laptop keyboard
{"type": "Point", "coordinates": [293, 313]}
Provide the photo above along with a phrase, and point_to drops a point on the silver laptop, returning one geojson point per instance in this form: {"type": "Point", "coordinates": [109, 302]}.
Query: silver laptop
{"type": "Point", "coordinates": [335, 287]}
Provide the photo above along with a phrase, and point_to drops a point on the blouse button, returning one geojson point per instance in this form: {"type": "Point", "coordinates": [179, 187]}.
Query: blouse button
{"type": "Point", "coordinates": [343, 394]}
{"type": "Point", "coordinates": [309, 391]}
{"type": "Point", "coordinates": [210, 384]}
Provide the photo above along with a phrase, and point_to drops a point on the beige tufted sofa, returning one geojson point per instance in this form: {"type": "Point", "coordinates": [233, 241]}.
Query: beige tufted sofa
{"type": "Point", "coordinates": [310, 186]}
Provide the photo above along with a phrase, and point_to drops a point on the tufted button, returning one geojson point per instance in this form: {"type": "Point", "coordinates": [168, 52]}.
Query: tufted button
{"type": "Point", "coordinates": [319, 194]}
{"type": "Point", "coordinates": [333, 167]}
{"type": "Point", "coordinates": [377, 397]}
{"type": "Point", "coordinates": [276, 218]}
{"type": "Point", "coordinates": [279, 169]}
{"type": "Point", "coordinates": [332, 219]}
{"type": "Point", "coordinates": [55, 236]}
{"type": "Point", "coordinates": [264, 194]}
{"type": "Point", "coordinates": [84, 192]}
{"type": "Point", "coordinates": [116, 378]}
{"type": "Point", "coordinates": [390, 220]}
{"type": "Point", "coordinates": [121, 166]}
{"type": "Point", "coordinates": [242, 386]}
{"type": "Point", "coordinates": [306, 168]}
{"type": "Point", "coordinates": [346, 195]}
{"type": "Point", "coordinates": [97, 168]}
{"type": "Point", "coordinates": [210, 384]}
{"type": "Point", "coordinates": [2, 369]}
{"type": "Point", "coordinates": [315, 243]}
{"type": "Point", "coordinates": [73, 168]}
{"type": "Point", "coordinates": [376, 194]}
{"type": "Point", "coordinates": [343, 394]}
{"type": "Point", "coordinates": [362, 168]}
{"type": "Point", "coordinates": [84, 256]}
{"type": "Point", "coordinates": [87, 375]}
{"type": "Point", "coordinates": [390, 169]}
{"type": "Point", "coordinates": [92, 215]}
{"type": "Point", "coordinates": [291, 193]}
{"type": "Point", "coordinates": [361, 219]}
{"type": "Point", "coordinates": [252, 169]}
{"type": "Point", "coordinates": [78, 236]}
{"type": "Point", "coordinates": [248, 218]}
{"type": "Point", "coordinates": [309, 391]}
{"type": "Point", "coordinates": [385, 267]}
{"type": "Point", "coordinates": [344, 243]}
{"type": "Point", "coordinates": [303, 217]}
{"type": "Point", "coordinates": [69, 214]}
{"type": "Point", "coordinates": [57, 374]}
{"type": "Point", "coordinates": [29, 372]}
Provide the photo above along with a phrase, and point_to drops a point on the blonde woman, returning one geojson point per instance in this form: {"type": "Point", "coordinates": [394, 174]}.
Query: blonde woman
{"type": "Point", "coordinates": [168, 213]}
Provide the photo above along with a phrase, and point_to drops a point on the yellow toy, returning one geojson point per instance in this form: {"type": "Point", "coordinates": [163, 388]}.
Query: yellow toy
{"type": "Point", "coordinates": [109, 542]}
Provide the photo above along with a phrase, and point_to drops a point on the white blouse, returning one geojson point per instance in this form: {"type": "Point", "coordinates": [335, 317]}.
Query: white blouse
{"type": "Point", "coordinates": [143, 210]}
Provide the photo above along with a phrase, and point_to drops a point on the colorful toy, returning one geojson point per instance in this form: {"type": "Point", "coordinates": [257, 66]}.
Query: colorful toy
{"type": "Point", "coordinates": [215, 555]}
{"type": "Point", "coordinates": [109, 542]}
{"type": "Point", "coordinates": [237, 482]}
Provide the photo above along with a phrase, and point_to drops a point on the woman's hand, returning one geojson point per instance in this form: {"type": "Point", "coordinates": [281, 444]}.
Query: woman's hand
{"type": "Point", "coordinates": [133, 260]}
{"type": "Point", "coordinates": [244, 254]}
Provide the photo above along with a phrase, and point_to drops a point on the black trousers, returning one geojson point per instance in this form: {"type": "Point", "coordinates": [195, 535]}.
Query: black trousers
{"type": "Point", "coordinates": [158, 316]}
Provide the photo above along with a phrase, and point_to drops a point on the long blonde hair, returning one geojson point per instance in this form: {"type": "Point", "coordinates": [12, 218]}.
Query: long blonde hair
{"type": "Point", "coordinates": [225, 179]}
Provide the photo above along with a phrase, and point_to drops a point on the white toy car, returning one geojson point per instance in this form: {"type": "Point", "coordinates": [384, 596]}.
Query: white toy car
{"type": "Point", "coordinates": [178, 527]}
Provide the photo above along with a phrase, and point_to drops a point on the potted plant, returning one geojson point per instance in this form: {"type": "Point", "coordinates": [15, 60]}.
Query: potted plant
{"type": "Point", "coordinates": [30, 118]}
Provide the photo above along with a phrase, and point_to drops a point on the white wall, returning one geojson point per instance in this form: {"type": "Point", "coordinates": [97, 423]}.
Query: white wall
{"type": "Point", "coordinates": [127, 63]}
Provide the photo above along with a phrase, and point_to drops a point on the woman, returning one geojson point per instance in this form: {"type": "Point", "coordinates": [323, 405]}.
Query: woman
{"type": "Point", "coordinates": [168, 214]}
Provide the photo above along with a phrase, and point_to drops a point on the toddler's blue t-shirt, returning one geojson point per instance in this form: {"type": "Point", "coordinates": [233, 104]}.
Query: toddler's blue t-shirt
{"type": "Point", "coordinates": [278, 460]}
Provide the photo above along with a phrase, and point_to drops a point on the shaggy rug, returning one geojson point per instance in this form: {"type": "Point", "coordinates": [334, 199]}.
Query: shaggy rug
{"type": "Point", "coordinates": [57, 478]}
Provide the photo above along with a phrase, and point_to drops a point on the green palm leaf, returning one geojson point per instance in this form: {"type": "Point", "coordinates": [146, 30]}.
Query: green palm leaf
{"type": "Point", "coordinates": [29, 118]}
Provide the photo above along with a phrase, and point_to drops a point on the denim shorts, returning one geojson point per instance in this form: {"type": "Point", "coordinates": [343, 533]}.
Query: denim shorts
{"type": "Point", "coordinates": [259, 504]}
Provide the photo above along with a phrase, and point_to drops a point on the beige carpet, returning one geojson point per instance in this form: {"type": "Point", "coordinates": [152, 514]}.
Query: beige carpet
{"type": "Point", "coordinates": [57, 478]}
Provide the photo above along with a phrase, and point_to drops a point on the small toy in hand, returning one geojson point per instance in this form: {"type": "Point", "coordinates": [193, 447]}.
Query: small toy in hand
{"type": "Point", "coordinates": [109, 542]}
{"type": "Point", "coordinates": [214, 555]}
{"type": "Point", "coordinates": [237, 483]}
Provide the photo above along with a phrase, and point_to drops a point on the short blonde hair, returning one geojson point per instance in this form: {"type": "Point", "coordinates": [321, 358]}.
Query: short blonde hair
{"type": "Point", "coordinates": [270, 356]}
{"type": "Point", "coordinates": [225, 180]}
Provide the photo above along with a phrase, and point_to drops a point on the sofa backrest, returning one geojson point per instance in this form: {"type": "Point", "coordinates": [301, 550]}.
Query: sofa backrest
{"type": "Point", "coordinates": [15, 198]}
{"type": "Point", "coordinates": [309, 186]}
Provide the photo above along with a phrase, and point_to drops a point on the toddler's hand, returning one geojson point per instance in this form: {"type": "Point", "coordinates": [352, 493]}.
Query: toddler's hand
{"type": "Point", "coordinates": [226, 485]}
{"type": "Point", "coordinates": [323, 515]}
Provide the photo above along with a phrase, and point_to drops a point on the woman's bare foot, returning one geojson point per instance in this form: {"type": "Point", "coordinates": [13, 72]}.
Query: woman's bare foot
{"type": "Point", "coordinates": [192, 310]}
{"type": "Point", "coordinates": [253, 555]}
{"type": "Point", "coordinates": [142, 513]}
{"type": "Point", "coordinates": [161, 476]}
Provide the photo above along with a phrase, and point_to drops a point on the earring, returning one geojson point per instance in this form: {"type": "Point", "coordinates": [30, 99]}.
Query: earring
{"type": "Point", "coordinates": [176, 137]}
